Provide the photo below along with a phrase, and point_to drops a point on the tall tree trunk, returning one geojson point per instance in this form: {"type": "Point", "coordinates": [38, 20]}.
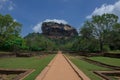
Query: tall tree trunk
{"type": "Point", "coordinates": [101, 45]}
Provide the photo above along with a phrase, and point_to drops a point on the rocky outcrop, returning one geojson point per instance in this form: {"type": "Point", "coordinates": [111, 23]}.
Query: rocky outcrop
{"type": "Point", "coordinates": [58, 30]}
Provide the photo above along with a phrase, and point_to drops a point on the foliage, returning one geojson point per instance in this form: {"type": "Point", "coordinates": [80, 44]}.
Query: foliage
{"type": "Point", "coordinates": [102, 30]}
{"type": "Point", "coordinates": [13, 44]}
{"type": "Point", "coordinates": [9, 32]}
{"type": "Point", "coordinates": [38, 42]}
{"type": "Point", "coordinates": [87, 45]}
{"type": "Point", "coordinates": [8, 27]}
{"type": "Point", "coordinates": [64, 44]}
{"type": "Point", "coordinates": [114, 37]}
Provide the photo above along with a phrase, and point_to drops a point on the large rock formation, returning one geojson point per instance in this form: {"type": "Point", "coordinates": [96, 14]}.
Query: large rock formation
{"type": "Point", "coordinates": [58, 30]}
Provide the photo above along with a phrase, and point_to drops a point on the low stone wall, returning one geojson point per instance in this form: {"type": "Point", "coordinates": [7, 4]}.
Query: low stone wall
{"type": "Point", "coordinates": [26, 54]}
{"type": "Point", "coordinates": [29, 54]}
{"type": "Point", "coordinates": [87, 54]}
{"type": "Point", "coordinates": [7, 54]}
{"type": "Point", "coordinates": [84, 53]}
{"type": "Point", "coordinates": [113, 55]}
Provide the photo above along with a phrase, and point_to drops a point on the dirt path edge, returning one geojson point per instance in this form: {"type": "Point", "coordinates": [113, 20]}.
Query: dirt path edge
{"type": "Point", "coordinates": [78, 72]}
{"type": "Point", "coordinates": [45, 70]}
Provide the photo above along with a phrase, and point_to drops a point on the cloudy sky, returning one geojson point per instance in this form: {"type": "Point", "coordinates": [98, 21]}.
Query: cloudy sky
{"type": "Point", "coordinates": [31, 13]}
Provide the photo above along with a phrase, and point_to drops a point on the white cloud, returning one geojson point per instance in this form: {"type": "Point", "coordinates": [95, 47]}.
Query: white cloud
{"type": "Point", "coordinates": [37, 28]}
{"type": "Point", "coordinates": [11, 6]}
{"type": "Point", "coordinates": [111, 8]}
{"type": "Point", "coordinates": [6, 4]}
{"type": "Point", "coordinates": [56, 20]}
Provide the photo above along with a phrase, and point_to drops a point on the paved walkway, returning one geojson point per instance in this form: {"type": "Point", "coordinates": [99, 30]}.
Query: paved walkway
{"type": "Point", "coordinates": [58, 69]}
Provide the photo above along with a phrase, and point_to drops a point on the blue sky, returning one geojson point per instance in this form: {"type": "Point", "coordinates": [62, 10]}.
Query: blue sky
{"type": "Point", "coordinates": [32, 12]}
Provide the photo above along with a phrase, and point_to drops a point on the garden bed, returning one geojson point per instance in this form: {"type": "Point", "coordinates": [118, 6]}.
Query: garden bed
{"type": "Point", "coordinates": [107, 60]}
{"type": "Point", "coordinates": [109, 75]}
{"type": "Point", "coordinates": [37, 63]}
{"type": "Point", "coordinates": [101, 64]}
{"type": "Point", "coordinates": [14, 74]}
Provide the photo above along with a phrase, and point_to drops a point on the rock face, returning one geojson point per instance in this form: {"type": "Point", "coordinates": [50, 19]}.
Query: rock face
{"type": "Point", "coordinates": [58, 30]}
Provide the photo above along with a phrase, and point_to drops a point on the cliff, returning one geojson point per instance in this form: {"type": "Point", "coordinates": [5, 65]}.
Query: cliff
{"type": "Point", "coordinates": [58, 30]}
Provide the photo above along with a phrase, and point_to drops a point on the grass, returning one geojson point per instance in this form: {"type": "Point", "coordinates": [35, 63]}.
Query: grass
{"type": "Point", "coordinates": [107, 60]}
{"type": "Point", "coordinates": [26, 63]}
{"type": "Point", "coordinates": [88, 68]}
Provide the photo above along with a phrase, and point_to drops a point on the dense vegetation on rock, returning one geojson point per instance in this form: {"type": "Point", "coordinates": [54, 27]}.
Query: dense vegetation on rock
{"type": "Point", "coordinates": [38, 42]}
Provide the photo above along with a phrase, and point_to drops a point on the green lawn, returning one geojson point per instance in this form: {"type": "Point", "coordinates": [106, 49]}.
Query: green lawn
{"type": "Point", "coordinates": [87, 68]}
{"type": "Point", "coordinates": [107, 60]}
{"type": "Point", "coordinates": [26, 63]}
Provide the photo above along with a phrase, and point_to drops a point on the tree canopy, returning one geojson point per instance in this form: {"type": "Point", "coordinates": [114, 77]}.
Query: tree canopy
{"type": "Point", "coordinates": [9, 29]}
{"type": "Point", "coordinates": [99, 28]}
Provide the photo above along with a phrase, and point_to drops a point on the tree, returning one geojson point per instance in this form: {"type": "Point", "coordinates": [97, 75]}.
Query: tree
{"type": "Point", "coordinates": [101, 25]}
{"type": "Point", "coordinates": [113, 38]}
{"type": "Point", "coordinates": [14, 44]}
{"type": "Point", "coordinates": [85, 44]}
{"type": "Point", "coordinates": [87, 31]}
{"type": "Point", "coordinates": [9, 28]}
{"type": "Point", "coordinates": [37, 42]}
